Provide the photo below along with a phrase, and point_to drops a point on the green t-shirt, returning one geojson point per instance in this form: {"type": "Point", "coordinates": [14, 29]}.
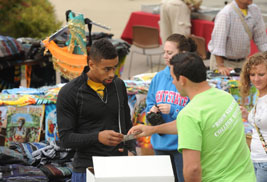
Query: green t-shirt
{"type": "Point", "coordinates": [211, 123]}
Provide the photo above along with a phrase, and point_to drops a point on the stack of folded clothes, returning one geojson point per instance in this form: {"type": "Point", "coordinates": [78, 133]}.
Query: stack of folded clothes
{"type": "Point", "coordinates": [35, 162]}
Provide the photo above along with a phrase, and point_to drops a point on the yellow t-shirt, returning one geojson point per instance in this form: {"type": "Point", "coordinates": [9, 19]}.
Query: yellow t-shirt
{"type": "Point", "coordinates": [244, 11]}
{"type": "Point", "coordinates": [98, 87]}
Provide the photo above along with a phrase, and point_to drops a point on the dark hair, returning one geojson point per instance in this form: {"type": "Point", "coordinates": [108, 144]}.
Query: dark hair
{"type": "Point", "coordinates": [102, 49]}
{"type": "Point", "coordinates": [22, 121]}
{"type": "Point", "coordinates": [183, 43]}
{"type": "Point", "coordinates": [190, 65]}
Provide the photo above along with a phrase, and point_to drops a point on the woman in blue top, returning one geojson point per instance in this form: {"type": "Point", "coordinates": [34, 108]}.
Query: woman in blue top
{"type": "Point", "coordinates": [164, 98]}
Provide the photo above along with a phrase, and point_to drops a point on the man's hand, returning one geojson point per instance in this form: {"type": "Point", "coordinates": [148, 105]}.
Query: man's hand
{"type": "Point", "coordinates": [224, 70]}
{"type": "Point", "coordinates": [110, 137]}
{"type": "Point", "coordinates": [164, 108]}
{"type": "Point", "coordinates": [220, 65]}
{"type": "Point", "coordinates": [143, 130]}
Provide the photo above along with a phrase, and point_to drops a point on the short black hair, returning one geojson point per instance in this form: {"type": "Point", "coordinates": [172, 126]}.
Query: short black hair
{"type": "Point", "coordinates": [102, 49]}
{"type": "Point", "coordinates": [190, 65]}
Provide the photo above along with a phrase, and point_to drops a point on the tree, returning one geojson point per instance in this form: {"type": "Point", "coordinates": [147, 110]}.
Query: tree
{"type": "Point", "coordinates": [27, 18]}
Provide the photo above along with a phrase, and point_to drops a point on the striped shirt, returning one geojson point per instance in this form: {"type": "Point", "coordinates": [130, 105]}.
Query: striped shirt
{"type": "Point", "coordinates": [229, 37]}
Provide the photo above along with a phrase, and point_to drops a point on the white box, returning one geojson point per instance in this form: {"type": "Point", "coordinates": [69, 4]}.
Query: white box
{"type": "Point", "coordinates": [156, 168]}
{"type": "Point", "coordinates": [151, 8]}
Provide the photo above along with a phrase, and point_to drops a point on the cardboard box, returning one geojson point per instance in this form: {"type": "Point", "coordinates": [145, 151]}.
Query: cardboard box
{"type": "Point", "coordinates": [156, 168]}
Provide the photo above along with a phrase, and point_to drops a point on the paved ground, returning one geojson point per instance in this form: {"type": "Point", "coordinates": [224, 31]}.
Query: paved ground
{"type": "Point", "coordinates": [115, 14]}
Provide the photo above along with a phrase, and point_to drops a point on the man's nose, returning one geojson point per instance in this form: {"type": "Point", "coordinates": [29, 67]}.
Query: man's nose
{"type": "Point", "coordinates": [111, 73]}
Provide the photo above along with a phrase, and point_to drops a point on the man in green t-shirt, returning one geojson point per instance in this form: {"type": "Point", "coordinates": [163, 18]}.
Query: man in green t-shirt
{"type": "Point", "coordinates": [211, 132]}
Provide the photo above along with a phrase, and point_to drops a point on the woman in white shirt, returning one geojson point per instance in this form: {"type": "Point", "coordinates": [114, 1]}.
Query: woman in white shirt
{"type": "Point", "coordinates": [254, 72]}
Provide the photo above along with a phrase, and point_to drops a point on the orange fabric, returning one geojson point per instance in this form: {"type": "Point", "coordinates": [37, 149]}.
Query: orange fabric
{"type": "Point", "coordinates": [70, 65]}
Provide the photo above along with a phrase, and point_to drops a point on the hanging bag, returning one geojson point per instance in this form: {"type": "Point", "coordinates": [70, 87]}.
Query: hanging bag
{"type": "Point", "coordinates": [242, 20]}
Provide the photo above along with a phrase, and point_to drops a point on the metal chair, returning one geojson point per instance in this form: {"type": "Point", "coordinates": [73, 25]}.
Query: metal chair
{"type": "Point", "coordinates": [146, 38]}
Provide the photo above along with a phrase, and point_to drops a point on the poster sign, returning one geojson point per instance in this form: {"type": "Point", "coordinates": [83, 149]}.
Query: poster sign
{"type": "Point", "coordinates": [24, 124]}
{"type": "Point", "coordinates": [51, 128]}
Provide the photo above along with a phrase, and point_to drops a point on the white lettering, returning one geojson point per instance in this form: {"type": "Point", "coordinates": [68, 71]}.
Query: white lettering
{"type": "Point", "coordinates": [222, 118]}
{"type": "Point", "coordinates": [231, 122]}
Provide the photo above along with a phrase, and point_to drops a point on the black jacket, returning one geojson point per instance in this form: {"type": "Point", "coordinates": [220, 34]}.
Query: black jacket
{"type": "Point", "coordinates": [81, 115]}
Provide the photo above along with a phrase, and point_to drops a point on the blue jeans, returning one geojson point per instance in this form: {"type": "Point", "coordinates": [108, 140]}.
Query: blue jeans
{"type": "Point", "coordinates": [177, 163]}
{"type": "Point", "coordinates": [78, 177]}
{"type": "Point", "coordinates": [261, 171]}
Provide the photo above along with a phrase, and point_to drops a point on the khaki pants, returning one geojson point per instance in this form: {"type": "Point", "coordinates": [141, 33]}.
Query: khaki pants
{"type": "Point", "coordinates": [175, 17]}
{"type": "Point", "coordinates": [230, 64]}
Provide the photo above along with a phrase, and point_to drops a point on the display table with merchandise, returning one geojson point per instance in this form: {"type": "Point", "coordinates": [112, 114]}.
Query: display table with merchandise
{"type": "Point", "coordinates": [29, 134]}
{"type": "Point", "coordinates": [29, 115]}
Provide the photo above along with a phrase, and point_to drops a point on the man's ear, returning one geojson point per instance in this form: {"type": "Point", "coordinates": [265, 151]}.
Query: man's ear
{"type": "Point", "coordinates": [182, 79]}
{"type": "Point", "coordinates": [87, 59]}
{"type": "Point", "coordinates": [91, 64]}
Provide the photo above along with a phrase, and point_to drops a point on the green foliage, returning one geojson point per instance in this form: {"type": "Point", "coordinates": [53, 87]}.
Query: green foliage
{"type": "Point", "coordinates": [28, 18]}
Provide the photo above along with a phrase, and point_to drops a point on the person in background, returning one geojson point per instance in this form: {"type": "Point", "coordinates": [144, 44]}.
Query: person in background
{"type": "Point", "coordinates": [254, 72]}
{"type": "Point", "coordinates": [164, 98]}
{"type": "Point", "coordinates": [21, 132]}
{"type": "Point", "coordinates": [235, 26]}
{"type": "Point", "coordinates": [93, 112]}
{"type": "Point", "coordinates": [210, 127]}
{"type": "Point", "coordinates": [175, 17]}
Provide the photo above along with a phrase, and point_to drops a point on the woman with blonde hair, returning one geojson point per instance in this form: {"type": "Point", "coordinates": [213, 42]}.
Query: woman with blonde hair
{"type": "Point", "coordinates": [254, 72]}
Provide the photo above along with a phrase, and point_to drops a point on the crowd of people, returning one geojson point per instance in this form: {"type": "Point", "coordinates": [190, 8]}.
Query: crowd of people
{"type": "Point", "coordinates": [202, 129]}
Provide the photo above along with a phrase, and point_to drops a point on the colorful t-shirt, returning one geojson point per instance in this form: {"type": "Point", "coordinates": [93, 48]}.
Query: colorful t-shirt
{"type": "Point", "coordinates": [211, 123]}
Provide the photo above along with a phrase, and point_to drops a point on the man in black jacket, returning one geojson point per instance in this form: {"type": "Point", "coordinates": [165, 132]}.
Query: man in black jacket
{"type": "Point", "coordinates": [93, 112]}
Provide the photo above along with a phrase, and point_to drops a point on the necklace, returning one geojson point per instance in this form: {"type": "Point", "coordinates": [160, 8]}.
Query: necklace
{"type": "Point", "coordinates": [105, 96]}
